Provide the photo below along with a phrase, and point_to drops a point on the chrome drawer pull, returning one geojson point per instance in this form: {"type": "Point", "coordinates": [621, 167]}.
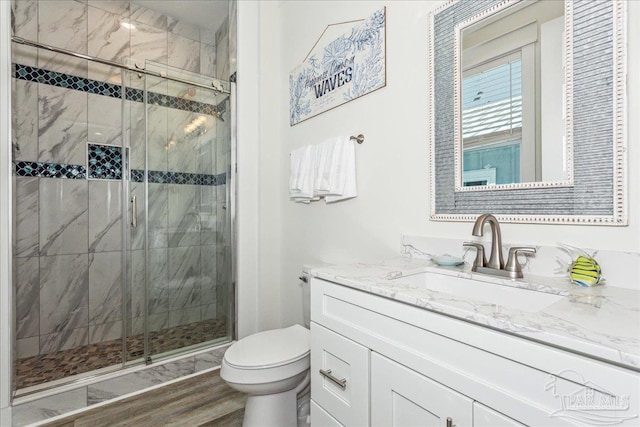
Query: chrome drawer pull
{"type": "Point", "coordinates": [450, 422]}
{"type": "Point", "coordinates": [340, 383]}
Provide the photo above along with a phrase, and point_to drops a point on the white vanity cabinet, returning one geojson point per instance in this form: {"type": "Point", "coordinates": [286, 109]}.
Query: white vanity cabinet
{"type": "Point", "coordinates": [402, 365]}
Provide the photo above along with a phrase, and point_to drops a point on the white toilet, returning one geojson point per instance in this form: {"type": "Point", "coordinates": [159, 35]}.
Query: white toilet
{"type": "Point", "coordinates": [272, 367]}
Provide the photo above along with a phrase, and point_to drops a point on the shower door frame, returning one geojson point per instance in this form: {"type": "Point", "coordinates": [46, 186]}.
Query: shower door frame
{"type": "Point", "coordinates": [6, 178]}
{"type": "Point", "coordinates": [7, 332]}
{"type": "Point", "coordinates": [229, 205]}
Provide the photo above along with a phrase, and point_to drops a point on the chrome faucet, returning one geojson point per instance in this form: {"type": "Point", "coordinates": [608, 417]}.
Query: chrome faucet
{"type": "Point", "coordinates": [496, 265]}
{"type": "Point", "coordinates": [495, 259]}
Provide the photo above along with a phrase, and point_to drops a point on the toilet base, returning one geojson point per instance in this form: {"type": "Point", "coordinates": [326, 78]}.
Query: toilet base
{"type": "Point", "coordinates": [271, 410]}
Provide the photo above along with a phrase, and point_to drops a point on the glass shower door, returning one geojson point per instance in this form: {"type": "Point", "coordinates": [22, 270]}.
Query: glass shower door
{"type": "Point", "coordinates": [135, 213]}
{"type": "Point", "coordinates": [179, 273]}
{"type": "Point", "coordinates": [121, 243]}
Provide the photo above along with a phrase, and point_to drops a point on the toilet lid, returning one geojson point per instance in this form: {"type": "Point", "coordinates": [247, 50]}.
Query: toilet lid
{"type": "Point", "coordinates": [270, 348]}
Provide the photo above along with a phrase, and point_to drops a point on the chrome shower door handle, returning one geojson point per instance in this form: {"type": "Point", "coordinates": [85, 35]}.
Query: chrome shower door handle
{"type": "Point", "coordinates": [134, 211]}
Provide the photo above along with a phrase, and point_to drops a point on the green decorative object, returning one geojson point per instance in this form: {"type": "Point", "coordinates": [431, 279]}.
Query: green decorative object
{"type": "Point", "coordinates": [584, 270]}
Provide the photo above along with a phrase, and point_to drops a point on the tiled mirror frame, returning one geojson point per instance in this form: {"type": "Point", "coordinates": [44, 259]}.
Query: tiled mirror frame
{"type": "Point", "coordinates": [595, 198]}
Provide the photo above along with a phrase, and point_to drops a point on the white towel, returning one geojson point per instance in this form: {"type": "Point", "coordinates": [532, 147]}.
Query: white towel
{"type": "Point", "coordinates": [323, 170]}
{"type": "Point", "coordinates": [301, 174]}
{"type": "Point", "coordinates": [343, 171]}
{"type": "Point", "coordinates": [325, 160]}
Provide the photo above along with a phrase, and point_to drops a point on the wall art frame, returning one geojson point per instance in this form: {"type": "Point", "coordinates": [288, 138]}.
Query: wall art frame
{"type": "Point", "coordinates": [346, 68]}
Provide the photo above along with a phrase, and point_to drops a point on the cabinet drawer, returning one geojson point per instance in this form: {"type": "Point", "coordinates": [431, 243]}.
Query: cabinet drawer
{"type": "Point", "coordinates": [487, 417]}
{"type": "Point", "coordinates": [320, 417]}
{"type": "Point", "coordinates": [345, 361]}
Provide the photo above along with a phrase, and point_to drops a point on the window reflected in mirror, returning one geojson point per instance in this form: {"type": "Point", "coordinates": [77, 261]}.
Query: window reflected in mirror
{"type": "Point", "coordinates": [512, 118]}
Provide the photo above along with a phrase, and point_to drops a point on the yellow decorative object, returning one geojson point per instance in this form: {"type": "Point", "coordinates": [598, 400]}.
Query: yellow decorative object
{"type": "Point", "coordinates": [585, 271]}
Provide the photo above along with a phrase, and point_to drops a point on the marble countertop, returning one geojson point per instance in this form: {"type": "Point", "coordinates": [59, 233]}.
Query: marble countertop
{"type": "Point", "coordinates": [601, 322]}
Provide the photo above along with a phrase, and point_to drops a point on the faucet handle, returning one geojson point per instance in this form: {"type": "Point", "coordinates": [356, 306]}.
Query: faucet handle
{"type": "Point", "coordinates": [512, 262]}
{"type": "Point", "coordinates": [480, 260]}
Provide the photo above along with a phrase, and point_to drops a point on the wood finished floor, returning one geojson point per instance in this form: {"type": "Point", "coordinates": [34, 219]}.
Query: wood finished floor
{"type": "Point", "coordinates": [202, 401]}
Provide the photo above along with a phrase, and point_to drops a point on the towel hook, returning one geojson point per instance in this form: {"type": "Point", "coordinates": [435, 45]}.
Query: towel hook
{"type": "Point", "coordinates": [359, 139]}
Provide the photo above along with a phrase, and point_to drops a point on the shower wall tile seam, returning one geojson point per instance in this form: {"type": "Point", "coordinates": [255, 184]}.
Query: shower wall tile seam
{"type": "Point", "coordinates": [70, 253]}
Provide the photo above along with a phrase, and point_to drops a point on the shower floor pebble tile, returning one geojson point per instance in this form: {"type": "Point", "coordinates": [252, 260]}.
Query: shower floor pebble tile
{"type": "Point", "coordinates": [35, 370]}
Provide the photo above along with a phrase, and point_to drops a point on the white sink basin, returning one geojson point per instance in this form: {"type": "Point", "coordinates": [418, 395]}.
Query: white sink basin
{"type": "Point", "coordinates": [520, 299]}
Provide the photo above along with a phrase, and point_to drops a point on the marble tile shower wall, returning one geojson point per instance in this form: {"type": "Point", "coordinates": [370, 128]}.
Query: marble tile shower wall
{"type": "Point", "coordinates": [67, 240]}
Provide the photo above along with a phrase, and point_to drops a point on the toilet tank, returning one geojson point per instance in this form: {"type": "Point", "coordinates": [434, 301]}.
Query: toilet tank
{"type": "Point", "coordinates": [306, 299]}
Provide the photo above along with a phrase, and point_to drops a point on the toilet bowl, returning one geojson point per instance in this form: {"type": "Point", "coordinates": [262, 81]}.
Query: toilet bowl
{"type": "Point", "coordinates": [272, 368]}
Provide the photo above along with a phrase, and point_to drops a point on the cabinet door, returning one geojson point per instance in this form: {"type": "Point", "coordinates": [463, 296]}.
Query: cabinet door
{"type": "Point", "coordinates": [320, 417]}
{"type": "Point", "coordinates": [402, 397]}
{"type": "Point", "coordinates": [487, 417]}
{"type": "Point", "coordinates": [335, 359]}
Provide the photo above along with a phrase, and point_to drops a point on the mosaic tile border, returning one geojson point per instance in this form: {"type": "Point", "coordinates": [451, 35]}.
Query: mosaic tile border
{"type": "Point", "coordinates": [69, 81]}
{"type": "Point", "coordinates": [132, 94]}
{"type": "Point", "coordinates": [137, 175]}
{"type": "Point", "coordinates": [162, 177]}
{"type": "Point", "coordinates": [57, 170]}
{"type": "Point", "coordinates": [181, 104]}
{"type": "Point", "coordinates": [49, 170]}
{"type": "Point", "coordinates": [104, 161]}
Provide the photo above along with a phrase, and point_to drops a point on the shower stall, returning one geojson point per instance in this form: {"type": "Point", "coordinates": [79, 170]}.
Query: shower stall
{"type": "Point", "coordinates": [121, 190]}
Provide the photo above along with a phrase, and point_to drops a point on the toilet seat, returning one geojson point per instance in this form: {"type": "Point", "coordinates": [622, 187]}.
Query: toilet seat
{"type": "Point", "coordinates": [268, 356]}
{"type": "Point", "coordinates": [269, 349]}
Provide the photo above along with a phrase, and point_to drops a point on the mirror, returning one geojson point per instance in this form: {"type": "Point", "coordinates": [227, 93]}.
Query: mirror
{"type": "Point", "coordinates": [565, 109]}
{"type": "Point", "coordinates": [511, 110]}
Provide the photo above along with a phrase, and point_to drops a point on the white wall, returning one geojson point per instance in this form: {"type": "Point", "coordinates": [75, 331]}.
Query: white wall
{"type": "Point", "coordinates": [247, 156]}
{"type": "Point", "coordinates": [271, 200]}
{"type": "Point", "coordinates": [393, 179]}
{"type": "Point", "coordinates": [392, 163]}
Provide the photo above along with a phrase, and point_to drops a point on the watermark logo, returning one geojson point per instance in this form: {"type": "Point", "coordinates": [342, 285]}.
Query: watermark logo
{"type": "Point", "coordinates": [587, 402]}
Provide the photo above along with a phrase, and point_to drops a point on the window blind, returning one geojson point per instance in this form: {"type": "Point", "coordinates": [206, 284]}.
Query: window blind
{"type": "Point", "coordinates": [492, 103]}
